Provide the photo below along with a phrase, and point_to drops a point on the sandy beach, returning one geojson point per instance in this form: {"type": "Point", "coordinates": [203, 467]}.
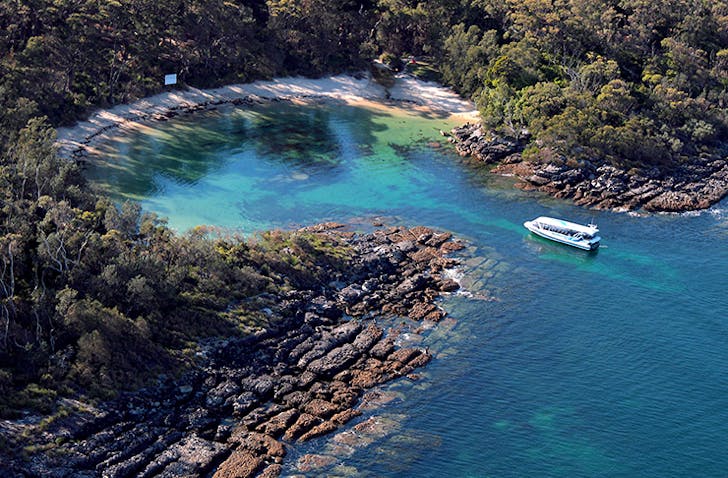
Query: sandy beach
{"type": "Point", "coordinates": [81, 139]}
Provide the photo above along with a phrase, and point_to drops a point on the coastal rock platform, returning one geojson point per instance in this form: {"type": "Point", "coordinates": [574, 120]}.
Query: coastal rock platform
{"type": "Point", "coordinates": [692, 185]}
{"type": "Point", "coordinates": [248, 398]}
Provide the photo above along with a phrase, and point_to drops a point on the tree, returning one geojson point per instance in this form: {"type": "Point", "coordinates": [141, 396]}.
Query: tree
{"type": "Point", "coordinates": [466, 55]}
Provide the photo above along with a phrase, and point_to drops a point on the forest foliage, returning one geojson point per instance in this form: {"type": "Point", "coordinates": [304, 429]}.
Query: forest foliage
{"type": "Point", "coordinates": [96, 296]}
{"type": "Point", "coordinates": [633, 83]}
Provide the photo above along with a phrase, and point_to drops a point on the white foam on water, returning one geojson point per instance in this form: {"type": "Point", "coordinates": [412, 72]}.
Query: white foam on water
{"type": "Point", "coordinates": [718, 212]}
{"type": "Point", "coordinates": [457, 274]}
{"type": "Point", "coordinates": [637, 214]}
{"type": "Point", "coordinates": [454, 273]}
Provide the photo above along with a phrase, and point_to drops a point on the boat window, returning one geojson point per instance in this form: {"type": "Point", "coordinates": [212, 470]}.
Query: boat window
{"type": "Point", "coordinates": [564, 231]}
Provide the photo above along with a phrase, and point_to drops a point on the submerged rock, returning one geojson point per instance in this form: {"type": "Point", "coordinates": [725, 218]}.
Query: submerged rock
{"type": "Point", "coordinates": [310, 462]}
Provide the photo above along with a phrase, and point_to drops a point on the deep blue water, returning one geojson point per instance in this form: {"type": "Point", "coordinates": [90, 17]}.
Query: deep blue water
{"type": "Point", "coordinates": [561, 363]}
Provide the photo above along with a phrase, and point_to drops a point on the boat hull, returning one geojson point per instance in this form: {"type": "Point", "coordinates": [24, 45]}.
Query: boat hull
{"type": "Point", "coordinates": [584, 244]}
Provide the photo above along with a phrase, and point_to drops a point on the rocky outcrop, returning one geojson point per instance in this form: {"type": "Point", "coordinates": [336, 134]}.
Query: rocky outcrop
{"type": "Point", "coordinates": [233, 414]}
{"type": "Point", "coordinates": [695, 184]}
{"type": "Point", "coordinates": [472, 140]}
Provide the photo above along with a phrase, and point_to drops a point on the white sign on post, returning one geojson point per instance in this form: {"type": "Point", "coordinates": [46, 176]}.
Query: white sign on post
{"type": "Point", "coordinates": [170, 80]}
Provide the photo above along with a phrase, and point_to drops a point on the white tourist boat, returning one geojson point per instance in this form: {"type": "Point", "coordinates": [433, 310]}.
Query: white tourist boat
{"type": "Point", "coordinates": [565, 232]}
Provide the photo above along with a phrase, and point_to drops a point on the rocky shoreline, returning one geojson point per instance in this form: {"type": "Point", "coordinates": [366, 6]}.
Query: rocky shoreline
{"type": "Point", "coordinates": [235, 413]}
{"type": "Point", "coordinates": [695, 185]}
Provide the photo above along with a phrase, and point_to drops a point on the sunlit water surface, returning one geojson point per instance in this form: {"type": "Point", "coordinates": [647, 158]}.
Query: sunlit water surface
{"type": "Point", "coordinates": [558, 363]}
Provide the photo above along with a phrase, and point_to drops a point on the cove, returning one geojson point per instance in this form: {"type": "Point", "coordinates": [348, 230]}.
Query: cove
{"type": "Point", "coordinates": [555, 363]}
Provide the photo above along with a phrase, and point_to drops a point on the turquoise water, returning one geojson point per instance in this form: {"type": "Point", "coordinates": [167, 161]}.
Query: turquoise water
{"type": "Point", "coordinates": [557, 363]}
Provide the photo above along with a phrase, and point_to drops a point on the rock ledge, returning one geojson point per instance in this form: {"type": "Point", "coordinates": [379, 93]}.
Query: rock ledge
{"type": "Point", "coordinates": [697, 184]}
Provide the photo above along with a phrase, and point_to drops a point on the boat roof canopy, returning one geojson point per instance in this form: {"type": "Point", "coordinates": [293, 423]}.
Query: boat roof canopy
{"type": "Point", "coordinates": [590, 229]}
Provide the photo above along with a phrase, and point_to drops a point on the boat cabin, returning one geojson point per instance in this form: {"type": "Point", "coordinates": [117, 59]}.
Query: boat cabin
{"type": "Point", "coordinates": [566, 231]}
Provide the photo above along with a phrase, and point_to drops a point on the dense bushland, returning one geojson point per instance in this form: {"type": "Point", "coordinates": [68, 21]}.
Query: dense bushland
{"type": "Point", "coordinates": [633, 83]}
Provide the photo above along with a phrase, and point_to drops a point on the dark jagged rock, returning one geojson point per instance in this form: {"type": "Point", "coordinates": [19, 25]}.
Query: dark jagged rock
{"type": "Point", "coordinates": [220, 394]}
{"type": "Point", "coordinates": [351, 294]}
{"type": "Point", "coordinates": [229, 415]}
{"type": "Point", "coordinates": [696, 183]}
{"type": "Point", "coordinates": [366, 340]}
{"type": "Point", "coordinates": [448, 285]}
{"type": "Point", "coordinates": [277, 425]}
{"type": "Point", "coordinates": [241, 464]}
{"type": "Point", "coordinates": [243, 403]}
{"type": "Point", "coordinates": [305, 422]}
{"type": "Point", "coordinates": [472, 140]}
{"type": "Point", "coordinates": [425, 311]}
{"type": "Point", "coordinates": [335, 360]}
{"type": "Point", "coordinates": [383, 348]}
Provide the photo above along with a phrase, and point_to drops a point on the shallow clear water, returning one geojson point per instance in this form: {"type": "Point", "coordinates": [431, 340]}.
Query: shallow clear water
{"type": "Point", "coordinates": [562, 363]}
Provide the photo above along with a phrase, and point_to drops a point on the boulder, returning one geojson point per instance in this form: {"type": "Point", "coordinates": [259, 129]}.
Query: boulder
{"type": "Point", "coordinates": [321, 408]}
{"type": "Point", "coordinates": [448, 285]}
{"type": "Point", "coordinates": [192, 456]}
{"type": "Point", "coordinates": [367, 338]}
{"type": "Point", "coordinates": [334, 361]}
{"type": "Point", "coordinates": [240, 464]}
{"type": "Point", "coordinates": [261, 385]}
{"type": "Point", "coordinates": [271, 471]}
{"type": "Point", "coordinates": [243, 403]}
{"type": "Point", "coordinates": [425, 311]}
{"type": "Point", "coordinates": [383, 348]}
{"type": "Point", "coordinates": [303, 424]}
{"type": "Point", "coordinates": [351, 293]}
{"type": "Point", "coordinates": [218, 395]}
{"type": "Point", "coordinates": [278, 424]}
{"type": "Point", "coordinates": [412, 284]}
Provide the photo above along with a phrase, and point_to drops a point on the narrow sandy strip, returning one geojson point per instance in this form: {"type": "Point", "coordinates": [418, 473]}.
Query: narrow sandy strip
{"type": "Point", "coordinates": [81, 139]}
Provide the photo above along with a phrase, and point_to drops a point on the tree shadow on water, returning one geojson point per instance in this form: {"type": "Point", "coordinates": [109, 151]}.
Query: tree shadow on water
{"type": "Point", "coordinates": [184, 150]}
{"type": "Point", "coordinates": [308, 139]}
{"type": "Point", "coordinates": [312, 136]}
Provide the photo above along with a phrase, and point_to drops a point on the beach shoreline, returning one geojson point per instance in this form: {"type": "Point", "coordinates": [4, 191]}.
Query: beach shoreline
{"type": "Point", "coordinates": [81, 140]}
